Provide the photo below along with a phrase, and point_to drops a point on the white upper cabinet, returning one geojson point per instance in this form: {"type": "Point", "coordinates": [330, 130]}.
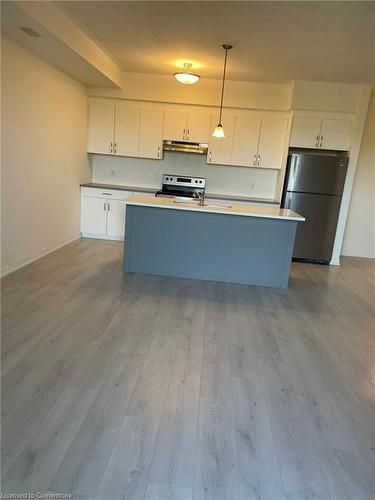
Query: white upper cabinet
{"type": "Point", "coordinates": [245, 140]}
{"type": "Point", "coordinates": [220, 148]}
{"type": "Point", "coordinates": [187, 125]}
{"type": "Point", "coordinates": [321, 133]}
{"type": "Point", "coordinates": [272, 141]}
{"type": "Point", "coordinates": [175, 123]}
{"type": "Point", "coordinates": [305, 132]}
{"type": "Point", "coordinates": [258, 140]}
{"type": "Point", "coordinates": [126, 129]}
{"type": "Point", "coordinates": [150, 133]}
{"type": "Point", "coordinates": [101, 127]}
{"type": "Point", "coordinates": [198, 126]}
{"type": "Point", "coordinates": [335, 134]}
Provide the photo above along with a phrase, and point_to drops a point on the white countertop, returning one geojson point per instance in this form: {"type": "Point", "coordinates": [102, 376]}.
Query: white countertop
{"type": "Point", "coordinates": [233, 209]}
{"type": "Point", "coordinates": [230, 197]}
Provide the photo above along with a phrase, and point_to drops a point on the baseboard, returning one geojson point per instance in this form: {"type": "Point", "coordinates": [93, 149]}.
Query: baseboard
{"type": "Point", "coordinates": [335, 261]}
{"type": "Point", "coordinates": [101, 237]}
{"type": "Point", "coordinates": [25, 262]}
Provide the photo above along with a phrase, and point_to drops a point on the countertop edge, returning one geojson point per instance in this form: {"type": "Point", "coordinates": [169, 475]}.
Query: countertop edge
{"type": "Point", "coordinates": [214, 210]}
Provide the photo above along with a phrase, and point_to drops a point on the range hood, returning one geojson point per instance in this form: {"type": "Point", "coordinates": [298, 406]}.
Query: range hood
{"type": "Point", "coordinates": [185, 147]}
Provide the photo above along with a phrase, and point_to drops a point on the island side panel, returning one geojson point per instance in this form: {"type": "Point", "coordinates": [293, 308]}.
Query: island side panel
{"type": "Point", "coordinates": [289, 254]}
{"type": "Point", "coordinates": [208, 246]}
{"type": "Point", "coordinates": [128, 237]}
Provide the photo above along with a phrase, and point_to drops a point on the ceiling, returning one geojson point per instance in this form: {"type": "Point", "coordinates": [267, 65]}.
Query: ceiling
{"type": "Point", "coordinates": [273, 41]}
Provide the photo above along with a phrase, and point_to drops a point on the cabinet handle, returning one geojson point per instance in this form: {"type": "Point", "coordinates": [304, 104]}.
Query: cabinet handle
{"type": "Point", "coordinates": [107, 194]}
{"type": "Point", "coordinates": [209, 157]}
{"type": "Point", "coordinates": [321, 141]}
{"type": "Point", "coordinates": [105, 206]}
{"type": "Point", "coordinates": [108, 207]}
{"type": "Point", "coordinates": [258, 160]}
{"type": "Point", "coordinates": [158, 151]}
{"type": "Point", "coordinates": [115, 150]}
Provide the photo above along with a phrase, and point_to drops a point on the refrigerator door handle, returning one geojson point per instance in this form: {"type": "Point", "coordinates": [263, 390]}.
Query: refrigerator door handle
{"type": "Point", "coordinates": [292, 174]}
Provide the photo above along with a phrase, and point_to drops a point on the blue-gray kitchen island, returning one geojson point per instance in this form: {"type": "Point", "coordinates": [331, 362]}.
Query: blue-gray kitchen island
{"type": "Point", "coordinates": [239, 244]}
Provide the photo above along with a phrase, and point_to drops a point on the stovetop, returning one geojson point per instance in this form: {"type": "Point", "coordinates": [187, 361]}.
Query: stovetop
{"type": "Point", "coordinates": [182, 185]}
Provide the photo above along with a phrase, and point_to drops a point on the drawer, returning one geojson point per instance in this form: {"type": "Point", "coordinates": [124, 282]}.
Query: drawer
{"type": "Point", "coordinates": [114, 194]}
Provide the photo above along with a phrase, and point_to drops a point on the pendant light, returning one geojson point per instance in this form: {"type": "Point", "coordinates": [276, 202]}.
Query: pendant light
{"type": "Point", "coordinates": [186, 76]}
{"type": "Point", "coordinates": [219, 131]}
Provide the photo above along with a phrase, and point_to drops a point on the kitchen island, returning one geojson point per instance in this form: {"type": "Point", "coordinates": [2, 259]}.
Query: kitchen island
{"type": "Point", "coordinates": [234, 243]}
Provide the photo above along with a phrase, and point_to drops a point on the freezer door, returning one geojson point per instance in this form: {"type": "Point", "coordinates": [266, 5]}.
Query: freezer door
{"type": "Point", "coordinates": [316, 173]}
{"type": "Point", "coordinates": [315, 236]}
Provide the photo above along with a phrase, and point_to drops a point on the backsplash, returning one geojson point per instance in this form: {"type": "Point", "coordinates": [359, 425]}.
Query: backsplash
{"type": "Point", "coordinates": [147, 173]}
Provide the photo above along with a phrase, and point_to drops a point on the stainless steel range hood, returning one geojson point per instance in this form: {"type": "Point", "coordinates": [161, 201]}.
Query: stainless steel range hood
{"type": "Point", "coordinates": [185, 147]}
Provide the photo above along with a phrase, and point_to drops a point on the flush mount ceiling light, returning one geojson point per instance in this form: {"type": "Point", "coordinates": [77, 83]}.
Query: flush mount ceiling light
{"type": "Point", "coordinates": [186, 76]}
{"type": "Point", "coordinates": [219, 131]}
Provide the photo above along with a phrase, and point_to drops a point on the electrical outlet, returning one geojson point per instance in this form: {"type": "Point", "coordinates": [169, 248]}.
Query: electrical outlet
{"type": "Point", "coordinates": [115, 172]}
{"type": "Point", "coordinates": [252, 187]}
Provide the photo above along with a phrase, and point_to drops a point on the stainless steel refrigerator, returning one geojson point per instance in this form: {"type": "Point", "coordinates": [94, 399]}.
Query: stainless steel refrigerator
{"type": "Point", "coordinates": [313, 187]}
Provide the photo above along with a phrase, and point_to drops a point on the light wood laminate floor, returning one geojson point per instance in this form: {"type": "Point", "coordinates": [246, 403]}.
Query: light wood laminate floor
{"type": "Point", "coordinates": [128, 386]}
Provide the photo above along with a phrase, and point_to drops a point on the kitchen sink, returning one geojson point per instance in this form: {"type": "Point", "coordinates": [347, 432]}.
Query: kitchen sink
{"type": "Point", "coordinates": [194, 201]}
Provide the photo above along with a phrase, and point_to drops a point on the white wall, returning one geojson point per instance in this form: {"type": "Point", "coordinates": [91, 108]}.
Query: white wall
{"type": "Point", "coordinates": [43, 156]}
{"type": "Point", "coordinates": [165, 88]}
{"type": "Point", "coordinates": [148, 173]}
{"type": "Point", "coordinates": [359, 239]}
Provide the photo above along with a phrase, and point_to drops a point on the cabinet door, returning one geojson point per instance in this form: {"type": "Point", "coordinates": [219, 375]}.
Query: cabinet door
{"type": "Point", "coordinates": [175, 124]}
{"type": "Point", "coordinates": [126, 129]}
{"type": "Point", "coordinates": [272, 141]}
{"type": "Point", "coordinates": [335, 134]}
{"type": "Point", "coordinates": [220, 148]}
{"type": "Point", "coordinates": [305, 132]}
{"type": "Point", "coordinates": [100, 127]}
{"type": "Point", "coordinates": [93, 216]}
{"type": "Point", "coordinates": [150, 133]}
{"type": "Point", "coordinates": [198, 126]}
{"type": "Point", "coordinates": [116, 219]}
{"type": "Point", "coordinates": [245, 140]}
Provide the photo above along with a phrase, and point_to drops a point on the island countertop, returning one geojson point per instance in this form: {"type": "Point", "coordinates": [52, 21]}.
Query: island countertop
{"type": "Point", "coordinates": [233, 209]}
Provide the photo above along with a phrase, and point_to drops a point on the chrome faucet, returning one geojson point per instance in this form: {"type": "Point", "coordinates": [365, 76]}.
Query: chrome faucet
{"type": "Point", "coordinates": [200, 195]}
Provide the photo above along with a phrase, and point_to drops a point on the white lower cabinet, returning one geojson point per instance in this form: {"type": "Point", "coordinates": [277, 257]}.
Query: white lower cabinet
{"type": "Point", "coordinates": [93, 216]}
{"type": "Point", "coordinates": [116, 219]}
{"type": "Point", "coordinates": [103, 213]}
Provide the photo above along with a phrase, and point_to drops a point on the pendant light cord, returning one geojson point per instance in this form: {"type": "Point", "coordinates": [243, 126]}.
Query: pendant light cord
{"type": "Point", "coordinates": [226, 47]}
